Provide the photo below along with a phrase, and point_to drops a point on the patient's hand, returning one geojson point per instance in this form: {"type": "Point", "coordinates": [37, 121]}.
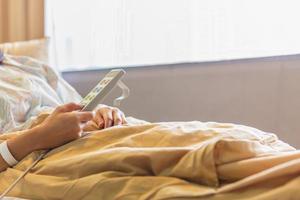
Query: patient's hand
{"type": "Point", "coordinates": [63, 125]}
{"type": "Point", "coordinates": [106, 116]}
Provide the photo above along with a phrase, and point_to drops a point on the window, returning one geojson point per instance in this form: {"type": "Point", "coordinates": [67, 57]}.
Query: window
{"type": "Point", "coordinates": [113, 33]}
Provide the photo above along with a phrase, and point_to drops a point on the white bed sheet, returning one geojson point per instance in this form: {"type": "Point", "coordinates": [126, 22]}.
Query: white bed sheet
{"type": "Point", "coordinates": [27, 88]}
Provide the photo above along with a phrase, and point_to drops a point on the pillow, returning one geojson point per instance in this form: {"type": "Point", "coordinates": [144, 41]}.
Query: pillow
{"type": "Point", "coordinates": [38, 49]}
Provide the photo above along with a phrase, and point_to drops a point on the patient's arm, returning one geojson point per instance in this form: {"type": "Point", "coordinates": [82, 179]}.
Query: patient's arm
{"type": "Point", "coordinates": [63, 125]}
{"type": "Point", "coordinates": [20, 146]}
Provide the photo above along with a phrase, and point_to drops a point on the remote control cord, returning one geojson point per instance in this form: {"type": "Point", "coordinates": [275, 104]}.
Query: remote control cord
{"type": "Point", "coordinates": [23, 174]}
{"type": "Point", "coordinates": [84, 134]}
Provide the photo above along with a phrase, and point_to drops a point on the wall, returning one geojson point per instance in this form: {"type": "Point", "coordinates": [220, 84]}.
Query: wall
{"type": "Point", "coordinates": [263, 93]}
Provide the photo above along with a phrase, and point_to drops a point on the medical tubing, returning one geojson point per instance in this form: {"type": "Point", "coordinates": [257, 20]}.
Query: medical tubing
{"type": "Point", "coordinates": [125, 94]}
{"type": "Point", "coordinates": [41, 156]}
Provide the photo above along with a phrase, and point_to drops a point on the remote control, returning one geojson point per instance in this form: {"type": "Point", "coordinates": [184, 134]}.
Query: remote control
{"type": "Point", "coordinates": [89, 103]}
{"type": "Point", "coordinates": [96, 95]}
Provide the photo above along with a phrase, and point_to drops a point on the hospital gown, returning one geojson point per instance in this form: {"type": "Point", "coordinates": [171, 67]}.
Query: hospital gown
{"type": "Point", "coordinates": [28, 88]}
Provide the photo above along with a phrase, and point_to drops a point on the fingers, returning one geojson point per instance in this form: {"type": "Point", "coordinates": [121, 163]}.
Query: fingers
{"type": "Point", "coordinates": [85, 116]}
{"type": "Point", "coordinates": [67, 108]}
{"type": "Point", "coordinates": [107, 117]}
{"type": "Point", "coordinates": [118, 117]}
{"type": "Point", "coordinates": [99, 120]}
{"type": "Point", "coordinates": [121, 116]}
{"type": "Point", "coordinates": [104, 117]}
{"type": "Point", "coordinates": [124, 121]}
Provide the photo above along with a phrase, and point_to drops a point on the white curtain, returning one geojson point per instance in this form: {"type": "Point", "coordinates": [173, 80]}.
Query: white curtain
{"type": "Point", "coordinates": [105, 33]}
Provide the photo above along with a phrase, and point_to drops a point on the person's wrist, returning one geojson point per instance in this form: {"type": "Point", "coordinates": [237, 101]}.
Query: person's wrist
{"type": "Point", "coordinates": [34, 136]}
{"type": "Point", "coordinates": [23, 144]}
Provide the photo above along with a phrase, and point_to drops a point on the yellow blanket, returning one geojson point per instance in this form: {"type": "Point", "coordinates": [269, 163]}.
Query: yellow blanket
{"type": "Point", "coordinates": [176, 160]}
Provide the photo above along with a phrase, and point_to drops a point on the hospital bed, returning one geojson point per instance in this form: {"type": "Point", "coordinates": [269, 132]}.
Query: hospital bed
{"type": "Point", "coordinates": [171, 160]}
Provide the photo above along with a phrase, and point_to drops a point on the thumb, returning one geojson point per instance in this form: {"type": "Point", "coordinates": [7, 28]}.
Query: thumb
{"type": "Point", "coordinates": [67, 108]}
